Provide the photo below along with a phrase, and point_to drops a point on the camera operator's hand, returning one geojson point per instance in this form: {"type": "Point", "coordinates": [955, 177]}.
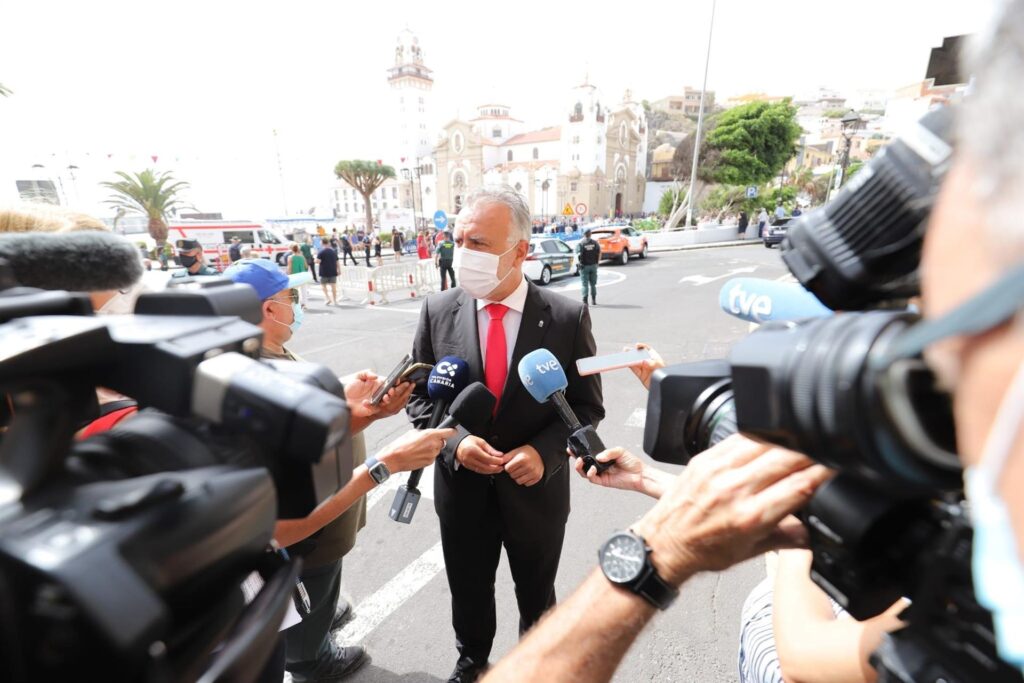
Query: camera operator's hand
{"type": "Point", "coordinates": [731, 503]}
{"type": "Point", "coordinates": [627, 472]}
{"type": "Point", "coordinates": [479, 456]}
{"type": "Point", "coordinates": [414, 449]}
{"type": "Point", "coordinates": [644, 371]}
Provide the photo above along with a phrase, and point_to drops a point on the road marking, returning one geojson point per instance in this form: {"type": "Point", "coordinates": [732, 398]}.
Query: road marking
{"type": "Point", "coordinates": [621, 278]}
{"type": "Point", "coordinates": [699, 280]}
{"type": "Point", "coordinates": [372, 611]}
{"type": "Point", "coordinates": [638, 418]}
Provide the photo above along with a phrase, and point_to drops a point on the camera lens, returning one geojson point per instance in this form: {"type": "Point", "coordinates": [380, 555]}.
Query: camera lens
{"type": "Point", "coordinates": [811, 387]}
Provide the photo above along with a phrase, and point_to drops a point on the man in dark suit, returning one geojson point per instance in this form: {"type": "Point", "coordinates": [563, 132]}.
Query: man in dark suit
{"type": "Point", "coordinates": [509, 486]}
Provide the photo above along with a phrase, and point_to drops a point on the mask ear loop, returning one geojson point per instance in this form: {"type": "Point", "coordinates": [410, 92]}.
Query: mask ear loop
{"type": "Point", "coordinates": [1005, 428]}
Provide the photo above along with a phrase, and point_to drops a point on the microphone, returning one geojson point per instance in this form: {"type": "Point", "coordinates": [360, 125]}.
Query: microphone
{"type": "Point", "coordinates": [758, 301]}
{"type": "Point", "coordinates": [545, 380]}
{"type": "Point", "coordinates": [472, 409]}
{"type": "Point", "coordinates": [79, 261]}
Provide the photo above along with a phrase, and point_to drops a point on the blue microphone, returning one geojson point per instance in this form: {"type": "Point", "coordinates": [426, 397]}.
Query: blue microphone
{"type": "Point", "coordinates": [446, 381]}
{"type": "Point", "coordinates": [758, 301]}
{"type": "Point", "coordinates": [545, 380]}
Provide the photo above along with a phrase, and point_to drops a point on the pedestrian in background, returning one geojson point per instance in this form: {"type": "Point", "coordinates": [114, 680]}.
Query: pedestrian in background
{"type": "Point", "coordinates": [366, 249]}
{"type": "Point", "coordinates": [235, 250]}
{"type": "Point", "coordinates": [422, 250]}
{"type": "Point", "coordinates": [444, 258]}
{"type": "Point", "coordinates": [377, 248]}
{"type": "Point", "coordinates": [396, 243]}
{"type": "Point", "coordinates": [297, 263]}
{"type": "Point", "coordinates": [346, 250]}
{"type": "Point", "coordinates": [742, 225]}
{"type": "Point", "coordinates": [762, 220]}
{"type": "Point", "coordinates": [589, 258]}
{"type": "Point", "coordinates": [328, 262]}
{"type": "Point", "coordinates": [307, 253]}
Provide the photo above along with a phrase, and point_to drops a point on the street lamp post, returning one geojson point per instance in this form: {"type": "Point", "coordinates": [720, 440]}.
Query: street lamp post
{"type": "Point", "coordinates": [700, 123]}
{"type": "Point", "coordinates": [417, 171]}
{"type": "Point", "coordinates": [408, 175]}
{"type": "Point", "coordinates": [849, 124]}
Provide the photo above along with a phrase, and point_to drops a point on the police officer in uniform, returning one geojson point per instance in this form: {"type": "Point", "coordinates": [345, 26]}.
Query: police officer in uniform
{"type": "Point", "coordinates": [590, 255]}
{"type": "Point", "coordinates": [444, 256]}
{"type": "Point", "coordinates": [190, 256]}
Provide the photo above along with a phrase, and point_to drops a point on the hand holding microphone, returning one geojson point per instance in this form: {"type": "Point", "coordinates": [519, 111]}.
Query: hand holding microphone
{"type": "Point", "coordinates": [545, 380]}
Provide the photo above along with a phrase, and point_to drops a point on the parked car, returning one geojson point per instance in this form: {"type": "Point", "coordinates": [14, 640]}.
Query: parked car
{"type": "Point", "coordinates": [775, 233]}
{"type": "Point", "coordinates": [548, 258]}
{"type": "Point", "coordinates": [619, 243]}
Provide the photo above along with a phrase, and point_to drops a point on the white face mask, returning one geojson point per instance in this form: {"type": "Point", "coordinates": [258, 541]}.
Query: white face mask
{"type": "Point", "coordinates": [996, 565]}
{"type": "Point", "coordinates": [477, 271]}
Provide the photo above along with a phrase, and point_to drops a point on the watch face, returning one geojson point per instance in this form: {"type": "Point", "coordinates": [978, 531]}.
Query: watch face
{"type": "Point", "coordinates": [622, 558]}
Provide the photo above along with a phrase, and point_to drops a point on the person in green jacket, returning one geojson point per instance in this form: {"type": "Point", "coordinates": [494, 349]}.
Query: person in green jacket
{"type": "Point", "coordinates": [297, 263]}
{"type": "Point", "coordinates": [307, 253]}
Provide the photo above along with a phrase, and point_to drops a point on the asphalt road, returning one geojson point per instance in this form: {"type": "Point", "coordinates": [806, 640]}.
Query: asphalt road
{"type": "Point", "coordinates": [395, 577]}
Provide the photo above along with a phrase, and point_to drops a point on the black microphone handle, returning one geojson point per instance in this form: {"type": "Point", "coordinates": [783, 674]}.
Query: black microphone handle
{"type": "Point", "coordinates": [564, 410]}
{"type": "Point", "coordinates": [436, 417]}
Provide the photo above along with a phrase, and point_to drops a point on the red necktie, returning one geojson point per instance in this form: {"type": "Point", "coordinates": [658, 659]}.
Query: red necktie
{"type": "Point", "coordinates": [496, 363]}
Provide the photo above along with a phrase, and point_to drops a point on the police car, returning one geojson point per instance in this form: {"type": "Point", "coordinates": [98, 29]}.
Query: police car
{"type": "Point", "coordinates": [549, 258]}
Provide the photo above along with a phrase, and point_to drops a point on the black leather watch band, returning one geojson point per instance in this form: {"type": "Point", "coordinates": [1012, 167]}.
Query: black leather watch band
{"type": "Point", "coordinates": [655, 590]}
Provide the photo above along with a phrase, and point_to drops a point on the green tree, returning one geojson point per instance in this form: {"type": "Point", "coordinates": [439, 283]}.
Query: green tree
{"type": "Point", "coordinates": [723, 198]}
{"type": "Point", "coordinates": [851, 170]}
{"type": "Point", "coordinates": [153, 194]}
{"type": "Point", "coordinates": [752, 142]}
{"type": "Point", "coordinates": [365, 177]}
{"type": "Point", "coordinates": [669, 200]}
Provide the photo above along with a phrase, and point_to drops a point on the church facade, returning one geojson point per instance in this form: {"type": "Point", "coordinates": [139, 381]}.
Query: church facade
{"type": "Point", "coordinates": [592, 162]}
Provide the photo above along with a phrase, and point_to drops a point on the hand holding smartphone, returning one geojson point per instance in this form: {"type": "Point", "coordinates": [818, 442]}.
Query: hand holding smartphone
{"type": "Point", "coordinates": [407, 370]}
{"type": "Point", "coordinates": [613, 361]}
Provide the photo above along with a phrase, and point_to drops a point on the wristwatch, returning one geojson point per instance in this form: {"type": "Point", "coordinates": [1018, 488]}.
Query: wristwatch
{"type": "Point", "coordinates": [626, 561]}
{"type": "Point", "coordinates": [378, 470]}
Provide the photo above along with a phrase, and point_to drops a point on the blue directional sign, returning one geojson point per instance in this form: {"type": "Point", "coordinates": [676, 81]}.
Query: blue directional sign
{"type": "Point", "coordinates": [440, 220]}
{"type": "Point", "coordinates": [751, 192]}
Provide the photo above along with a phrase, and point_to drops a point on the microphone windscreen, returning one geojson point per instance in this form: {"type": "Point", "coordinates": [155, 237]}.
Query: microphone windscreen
{"type": "Point", "coordinates": [758, 301]}
{"type": "Point", "coordinates": [79, 261]}
{"type": "Point", "coordinates": [542, 374]}
{"type": "Point", "coordinates": [473, 408]}
{"type": "Point", "coordinates": [448, 378]}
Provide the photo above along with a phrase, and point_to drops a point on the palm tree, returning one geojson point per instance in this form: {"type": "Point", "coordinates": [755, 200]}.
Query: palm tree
{"type": "Point", "coordinates": [150, 193]}
{"type": "Point", "coordinates": [365, 177]}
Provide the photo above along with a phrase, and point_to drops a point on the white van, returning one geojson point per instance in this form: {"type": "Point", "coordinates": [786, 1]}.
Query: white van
{"type": "Point", "coordinates": [215, 236]}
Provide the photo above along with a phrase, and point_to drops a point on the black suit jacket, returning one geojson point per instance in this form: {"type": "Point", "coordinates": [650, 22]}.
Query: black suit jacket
{"type": "Point", "coordinates": [448, 327]}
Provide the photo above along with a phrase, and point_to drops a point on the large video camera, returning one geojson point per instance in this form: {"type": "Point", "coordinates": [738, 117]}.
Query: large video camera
{"type": "Point", "coordinates": [893, 523]}
{"type": "Point", "coordinates": [122, 556]}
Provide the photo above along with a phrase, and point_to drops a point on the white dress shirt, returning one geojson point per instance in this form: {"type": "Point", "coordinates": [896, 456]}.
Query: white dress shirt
{"type": "Point", "coordinates": [515, 301]}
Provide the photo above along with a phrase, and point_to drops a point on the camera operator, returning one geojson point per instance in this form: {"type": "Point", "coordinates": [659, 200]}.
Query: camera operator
{"type": "Point", "coordinates": [972, 285]}
{"type": "Point", "coordinates": [311, 653]}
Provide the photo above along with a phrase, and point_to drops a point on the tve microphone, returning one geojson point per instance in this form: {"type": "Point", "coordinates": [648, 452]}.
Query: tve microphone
{"type": "Point", "coordinates": [544, 378]}
{"type": "Point", "coordinates": [472, 409]}
{"type": "Point", "coordinates": [80, 261]}
{"type": "Point", "coordinates": [758, 301]}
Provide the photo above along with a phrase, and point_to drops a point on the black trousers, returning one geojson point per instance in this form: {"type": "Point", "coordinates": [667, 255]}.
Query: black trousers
{"type": "Point", "coordinates": [309, 642]}
{"type": "Point", "coordinates": [446, 271]}
{"type": "Point", "coordinates": [472, 547]}
{"type": "Point", "coordinates": [346, 255]}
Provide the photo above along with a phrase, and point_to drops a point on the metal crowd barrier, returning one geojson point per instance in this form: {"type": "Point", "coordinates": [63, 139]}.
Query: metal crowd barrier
{"type": "Point", "coordinates": [387, 279]}
{"type": "Point", "coordinates": [428, 277]}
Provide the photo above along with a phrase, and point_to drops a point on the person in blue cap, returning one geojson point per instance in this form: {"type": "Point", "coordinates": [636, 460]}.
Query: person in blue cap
{"type": "Point", "coordinates": [279, 297]}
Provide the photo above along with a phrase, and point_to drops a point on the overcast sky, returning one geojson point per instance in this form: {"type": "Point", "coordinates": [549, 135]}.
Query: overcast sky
{"type": "Point", "coordinates": [105, 85]}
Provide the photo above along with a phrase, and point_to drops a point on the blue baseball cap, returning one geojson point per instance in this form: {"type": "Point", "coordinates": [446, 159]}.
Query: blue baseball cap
{"type": "Point", "coordinates": [265, 277]}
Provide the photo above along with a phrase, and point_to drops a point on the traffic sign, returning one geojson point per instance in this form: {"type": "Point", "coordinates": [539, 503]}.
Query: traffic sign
{"type": "Point", "coordinates": [567, 211]}
{"type": "Point", "coordinates": [751, 192]}
{"type": "Point", "coordinates": [581, 209]}
{"type": "Point", "coordinates": [440, 220]}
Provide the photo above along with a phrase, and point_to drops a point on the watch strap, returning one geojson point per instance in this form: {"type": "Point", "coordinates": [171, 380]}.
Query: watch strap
{"type": "Point", "coordinates": [378, 471]}
{"type": "Point", "coordinates": [654, 589]}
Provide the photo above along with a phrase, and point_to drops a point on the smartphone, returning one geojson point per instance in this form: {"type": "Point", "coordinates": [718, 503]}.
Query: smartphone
{"type": "Point", "coordinates": [613, 361]}
{"type": "Point", "coordinates": [393, 378]}
{"type": "Point", "coordinates": [416, 373]}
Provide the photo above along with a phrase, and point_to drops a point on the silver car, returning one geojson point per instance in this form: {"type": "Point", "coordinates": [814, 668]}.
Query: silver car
{"type": "Point", "coordinates": [549, 258]}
